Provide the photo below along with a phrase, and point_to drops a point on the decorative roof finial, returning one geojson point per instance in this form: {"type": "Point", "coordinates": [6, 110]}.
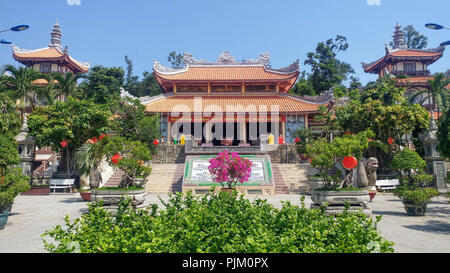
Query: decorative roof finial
{"type": "Point", "coordinates": [399, 37]}
{"type": "Point", "coordinates": [56, 36]}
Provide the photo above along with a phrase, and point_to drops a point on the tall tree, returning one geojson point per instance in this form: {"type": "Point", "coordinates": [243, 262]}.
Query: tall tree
{"type": "Point", "coordinates": [444, 134]}
{"type": "Point", "coordinates": [20, 85]}
{"type": "Point", "coordinates": [176, 60]}
{"type": "Point", "coordinates": [103, 84]}
{"type": "Point", "coordinates": [139, 88]}
{"type": "Point", "coordinates": [437, 92]}
{"type": "Point", "coordinates": [73, 121]}
{"type": "Point", "coordinates": [326, 70]}
{"type": "Point", "coordinates": [67, 84]}
{"type": "Point", "coordinates": [385, 111]}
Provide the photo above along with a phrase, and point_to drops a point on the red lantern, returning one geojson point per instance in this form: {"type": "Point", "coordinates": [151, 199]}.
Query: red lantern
{"type": "Point", "coordinates": [297, 139]}
{"type": "Point", "coordinates": [280, 140]}
{"type": "Point", "coordinates": [64, 143]}
{"type": "Point", "coordinates": [156, 142]}
{"type": "Point", "coordinates": [349, 162]}
{"type": "Point", "coordinates": [115, 159]}
{"type": "Point", "coordinates": [390, 140]}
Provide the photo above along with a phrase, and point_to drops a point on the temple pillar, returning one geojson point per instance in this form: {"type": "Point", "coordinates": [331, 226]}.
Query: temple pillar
{"type": "Point", "coordinates": [243, 88]}
{"type": "Point", "coordinates": [175, 88]}
{"type": "Point", "coordinates": [306, 121]}
{"type": "Point", "coordinates": [169, 131]}
{"type": "Point", "coordinates": [243, 132]}
{"type": "Point", "coordinates": [283, 129]}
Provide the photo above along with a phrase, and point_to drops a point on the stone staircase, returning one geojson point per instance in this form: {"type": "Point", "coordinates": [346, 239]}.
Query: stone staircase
{"type": "Point", "coordinates": [165, 178]}
{"type": "Point", "coordinates": [114, 180]}
{"type": "Point", "coordinates": [292, 178]}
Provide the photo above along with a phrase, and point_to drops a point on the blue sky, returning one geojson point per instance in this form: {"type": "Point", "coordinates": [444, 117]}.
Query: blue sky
{"type": "Point", "coordinates": [104, 31]}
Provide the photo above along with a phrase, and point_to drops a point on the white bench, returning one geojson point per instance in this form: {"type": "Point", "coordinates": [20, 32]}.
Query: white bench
{"type": "Point", "coordinates": [61, 184]}
{"type": "Point", "coordinates": [387, 184]}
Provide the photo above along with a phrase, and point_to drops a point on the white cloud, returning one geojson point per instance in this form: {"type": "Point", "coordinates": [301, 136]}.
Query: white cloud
{"type": "Point", "coordinates": [373, 2]}
{"type": "Point", "coordinates": [78, 2]}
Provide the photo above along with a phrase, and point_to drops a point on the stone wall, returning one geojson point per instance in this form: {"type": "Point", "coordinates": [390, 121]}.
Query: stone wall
{"type": "Point", "coordinates": [284, 154]}
{"type": "Point", "coordinates": [169, 154]}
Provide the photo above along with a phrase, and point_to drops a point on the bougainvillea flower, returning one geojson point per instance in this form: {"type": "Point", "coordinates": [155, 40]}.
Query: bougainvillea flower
{"type": "Point", "coordinates": [64, 143]}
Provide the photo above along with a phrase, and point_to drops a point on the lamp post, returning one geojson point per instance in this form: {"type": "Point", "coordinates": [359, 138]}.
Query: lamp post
{"type": "Point", "coordinates": [15, 28]}
{"type": "Point", "coordinates": [438, 27]}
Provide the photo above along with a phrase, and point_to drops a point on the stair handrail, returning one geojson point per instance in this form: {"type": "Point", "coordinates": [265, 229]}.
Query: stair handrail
{"type": "Point", "coordinates": [45, 164]}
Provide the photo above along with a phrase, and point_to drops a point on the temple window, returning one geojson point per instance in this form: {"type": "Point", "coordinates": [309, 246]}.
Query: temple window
{"type": "Point", "coordinates": [45, 68]}
{"type": "Point", "coordinates": [225, 88]}
{"type": "Point", "coordinates": [192, 88]}
{"type": "Point", "coordinates": [260, 87]}
{"type": "Point", "coordinates": [410, 67]}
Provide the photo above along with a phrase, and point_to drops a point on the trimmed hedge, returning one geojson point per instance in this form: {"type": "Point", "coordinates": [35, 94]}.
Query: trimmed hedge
{"type": "Point", "coordinates": [217, 223]}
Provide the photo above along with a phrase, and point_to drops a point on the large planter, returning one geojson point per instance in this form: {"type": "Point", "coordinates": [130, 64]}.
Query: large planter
{"type": "Point", "coordinates": [3, 220]}
{"type": "Point", "coordinates": [37, 191]}
{"type": "Point", "coordinates": [111, 198]}
{"type": "Point", "coordinates": [340, 197]}
{"type": "Point", "coordinates": [6, 209]}
{"type": "Point", "coordinates": [337, 200]}
{"type": "Point", "coordinates": [415, 209]}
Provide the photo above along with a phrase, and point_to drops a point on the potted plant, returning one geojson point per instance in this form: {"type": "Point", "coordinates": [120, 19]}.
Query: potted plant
{"type": "Point", "coordinates": [301, 138]}
{"type": "Point", "coordinates": [88, 158]}
{"type": "Point", "coordinates": [335, 162]}
{"type": "Point", "coordinates": [130, 157]}
{"type": "Point", "coordinates": [12, 182]}
{"type": "Point", "coordinates": [414, 191]}
{"type": "Point", "coordinates": [228, 169]}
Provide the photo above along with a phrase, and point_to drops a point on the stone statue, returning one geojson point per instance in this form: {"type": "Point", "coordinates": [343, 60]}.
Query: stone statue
{"type": "Point", "coordinates": [371, 167]}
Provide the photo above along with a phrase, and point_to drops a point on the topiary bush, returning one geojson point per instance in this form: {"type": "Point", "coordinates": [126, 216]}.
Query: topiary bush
{"type": "Point", "coordinates": [217, 223]}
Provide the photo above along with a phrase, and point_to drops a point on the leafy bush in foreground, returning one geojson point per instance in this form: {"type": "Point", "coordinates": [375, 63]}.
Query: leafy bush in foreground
{"type": "Point", "coordinates": [217, 223]}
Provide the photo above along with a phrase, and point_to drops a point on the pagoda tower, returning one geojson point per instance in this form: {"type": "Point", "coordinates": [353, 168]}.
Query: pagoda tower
{"type": "Point", "coordinates": [52, 58]}
{"type": "Point", "coordinates": [408, 65]}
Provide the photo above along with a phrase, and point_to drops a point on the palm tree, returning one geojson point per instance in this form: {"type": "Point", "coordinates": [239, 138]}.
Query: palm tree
{"type": "Point", "coordinates": [67, 84]}
{"type": "Point", "coordinates": [20, 84]}
{"type": "Point", "coordinates": [436, 91]}
{"type": "Point", "coordinates": [88, 158]}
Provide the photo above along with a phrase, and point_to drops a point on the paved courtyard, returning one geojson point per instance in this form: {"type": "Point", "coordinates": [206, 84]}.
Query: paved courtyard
{"type": "Point", "coordinates": [32, 215]}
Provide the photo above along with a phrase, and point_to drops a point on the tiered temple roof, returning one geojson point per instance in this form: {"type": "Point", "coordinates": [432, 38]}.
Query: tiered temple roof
{"type": "Point", "coordinates": [53, 53]}
{"type": "Point", "coordinates": [243, 76]}
{"type": "Point", "coordinates": [227, 70]}
{"type": "Point", "coordinates": [400, 52]}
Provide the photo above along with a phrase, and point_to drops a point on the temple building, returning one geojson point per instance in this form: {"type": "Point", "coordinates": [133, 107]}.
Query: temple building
{"type": "Point", "coordinates": [408, 65]}
{"type": "Point", "coordinates": [228, 102]}
{"type": "Point", "coordinates": [52, 58]}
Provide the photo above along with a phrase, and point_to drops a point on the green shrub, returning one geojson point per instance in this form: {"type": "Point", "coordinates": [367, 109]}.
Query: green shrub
{"type": "Point", "coordinates": [416, 196]}
{"type": "Point", "coordinates": [220, 223]}
{"type": "Point", "coordinates": [407, 160]}
{"type": "Point", "coordinates": [12, 182]}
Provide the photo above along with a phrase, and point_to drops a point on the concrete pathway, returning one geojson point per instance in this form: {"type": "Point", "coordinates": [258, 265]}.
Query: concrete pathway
{"type": "Point", "coordinates": [32, 215]}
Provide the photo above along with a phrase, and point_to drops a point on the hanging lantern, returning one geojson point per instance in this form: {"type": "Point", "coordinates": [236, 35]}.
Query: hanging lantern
{"type": "Point", "coordinates": [390, 140]}
{"type": "Point", "coordinates": [156, 142]}
{"type": "Point", "coordinates": [349, 162]}
{"type": "Point", "coordinates": [64, 143]}
{"type": "Point", "coordinates": [280, 140]}
{"type": "Point", "coordinates": [296, 140]}
{"type": "Point", "coordinates": [115, 159]}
